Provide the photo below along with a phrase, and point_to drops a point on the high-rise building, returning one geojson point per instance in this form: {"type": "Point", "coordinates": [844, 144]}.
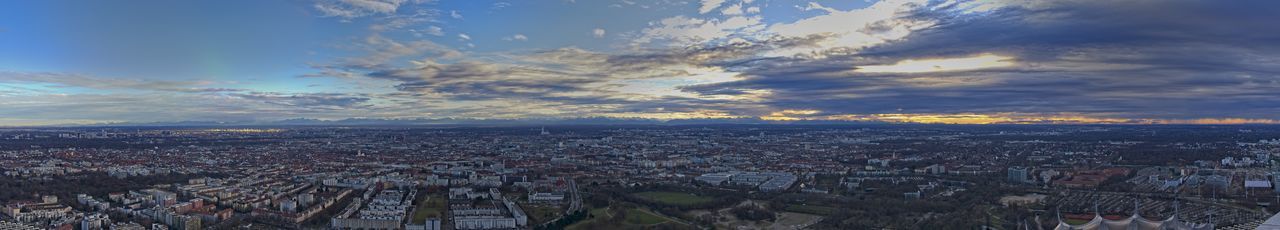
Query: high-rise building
{"type": "Point", "coordinates": [1018, 174]}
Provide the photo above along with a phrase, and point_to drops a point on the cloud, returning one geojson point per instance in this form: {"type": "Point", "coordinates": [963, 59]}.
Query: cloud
{"type": "Point", "coordinates": [430, 30]}
{"type": "Point", "coordinates": [1078, 57]}
{"type": "Point", "coordinates": [894, 61]}
{"type": "Point", "coordinates": [817, 6]}
{"type": "Point", "coordinates": [500, 5]}
{"type": "Point", "coordinates": [482, 80]}
{"type": "Point", "coordinates": [686, 31]}
{"type": "Point", "coordinates": [851, 30]}
{"type": "Point", "coordinates": [381, 52]}
{"type": "Point", "coordinates": [323, 101]}
{"type": "Point", "coordinates": [855, 29]}
{"type": "Point", "coordinates": [350, 9]}
{"type": "Point", "coordinates": [735, 9]}
{"type": "Point", "coordinates": [574, 82]}
{"type": "Point", "coordinates": [102, 83]}
{"type": "Point", "coordinates": [598, 33]}
{"type": "Point", "coordinates": [516, 37]}
{"type": "Point", "coordinates": [412, 21]}
{"type": "Point", "coordinates": [455, 15]}
{"type": "Point", "coordinates": [982, 61]}
{"type": "Point", "coordinates": [709, 5]}
{"type": "Point", "coordinates": [170, 107]}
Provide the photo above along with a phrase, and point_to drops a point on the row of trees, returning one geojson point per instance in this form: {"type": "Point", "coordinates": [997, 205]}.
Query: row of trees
{"type": "Point", "coordinates": [964, 210]}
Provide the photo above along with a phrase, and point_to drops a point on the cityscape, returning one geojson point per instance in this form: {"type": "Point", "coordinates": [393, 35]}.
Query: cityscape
{"type": "Point", "coordinates": [639, 115]}
{"type": "Point", "coordinates": [641, 177]}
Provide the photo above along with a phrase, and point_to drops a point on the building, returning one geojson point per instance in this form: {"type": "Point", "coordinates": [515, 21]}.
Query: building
{"type": "Point", "coordinates": [1252, 184]}
{"type": "Point", "coordinates": [17, 226]}
{"type": "Point", "coordinates": [430, 224]}
{"type": "Point", "coordinates": [96, 221]}
{"type": "Point", "coordinates": [29, 212]}
{"type": "Point", "coordinates": [1134, 221]}
{"type": "Point", "coordinates": [387, 210]}
{"type": "Point", "coordinates": [162, 198]}
{"type": "Point", "coordinates": [1018, 175]}
{"type": "Point", "coordinates": [173, 219]}
{"type": "Point", "coordinates": [936, 169]}
{"type": "Point", "coordinates": [127, 226]}
{"type": "Point", "coordinates": [466, 194]}
{"type": "Point", "coordinates": [289, 206]}
{"type": "Point", "coordinates": [546, 197]}
{"type": "Point", "coordinates": [483, 222]}
{"type": "Point", "coordinates": [749, 179]}
{"type": "Point", "coordinates": [778, 182]}
{"type": "Point", "coordinates": [911, 195]}
{"type": "Point", "coordinates": [1275, 181]}
{"type": "Point", "coordinates": [1047, 176]}
{"type": "Point", "coordinates": [494, 215]}
{"type": "Point", "coordinates": [765, 181]}
{"type": "Point", "coordinates": [87, 200]}
{"type": "Point", "coordinates": [714, 178]}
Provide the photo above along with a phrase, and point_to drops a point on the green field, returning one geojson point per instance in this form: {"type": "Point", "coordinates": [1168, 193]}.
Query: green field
{"type": "Point", "coordinates": [640, 217]}
{"type": "Point", "coordinates": [432, 208]}
{"type": "Point", "coordinates": [636, 219]}
{"type": "Point", "coordinates": [674, 198]}
{"type": "Point", "coordinates": [541, 213]}
{"type": "Point", "coordinates": [599, 213]}
{"type": "Point", "coordinates": [811, 209]}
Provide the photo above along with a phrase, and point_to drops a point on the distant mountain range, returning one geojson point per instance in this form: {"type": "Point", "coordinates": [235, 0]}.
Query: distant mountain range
{"type": "Point", "coordinates": [451, 121]}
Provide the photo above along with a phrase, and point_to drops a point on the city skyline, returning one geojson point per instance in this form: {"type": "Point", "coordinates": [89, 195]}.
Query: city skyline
{"type": "Point", "coordinates": [952, 62]}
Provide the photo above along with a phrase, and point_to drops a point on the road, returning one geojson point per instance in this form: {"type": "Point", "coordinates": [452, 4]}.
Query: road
{"type": "Point", "coordinates": [575, 202]}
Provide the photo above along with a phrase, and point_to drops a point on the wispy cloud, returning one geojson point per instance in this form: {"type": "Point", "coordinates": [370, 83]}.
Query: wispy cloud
{"type": "Point", "coordinates": [516, 37]}
{"type": "Point", "coordinates": [103, 83]}
{"type": "Point", "coordinates": [349, 9]}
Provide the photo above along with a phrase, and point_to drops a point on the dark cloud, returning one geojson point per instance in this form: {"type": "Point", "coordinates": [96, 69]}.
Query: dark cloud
{"type": "Point", "coordinates": [1142, 59]}
{"type": "Point", "coordinates": [573, 76]}
{"type": "Point", "coordinates": [1178, 59]}
{"type": "Point", "coordinates": [487, 81]}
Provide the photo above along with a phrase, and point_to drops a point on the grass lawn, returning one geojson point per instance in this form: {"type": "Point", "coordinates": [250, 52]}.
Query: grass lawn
{"type": "Point", "coordinates": [432, 208]}
{"type": "Point", "coordinates": [674, 198]}
{"type": "Point", "coordinates": [598, 213]}
{"type": "Point", "coordinates": [640, 217]}
{"type": "Point", "coordinates": [541, 213]}
{"type": "Point", "coordinates": [636, 217]}
{"type": "Point", "coordinates": [811, 209]}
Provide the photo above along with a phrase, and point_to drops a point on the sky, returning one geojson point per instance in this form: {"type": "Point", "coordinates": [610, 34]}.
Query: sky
{"type": "Point", "coordinates": [909, 61]}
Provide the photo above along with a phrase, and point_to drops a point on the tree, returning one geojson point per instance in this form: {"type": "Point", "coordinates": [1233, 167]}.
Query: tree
{"type": "Point", "coordinates": [752, 212]}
